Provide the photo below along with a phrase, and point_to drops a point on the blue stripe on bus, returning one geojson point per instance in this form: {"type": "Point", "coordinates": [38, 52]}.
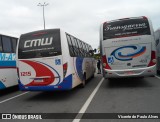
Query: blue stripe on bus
{"type": "Point", "coordinates": [2, 86]}
{"type": "Point", "coordinates": [7, 63]}
{"type": "Point", "coordinates": [65, 85]}
{"type": "Point", "coordinates": [79, 63]}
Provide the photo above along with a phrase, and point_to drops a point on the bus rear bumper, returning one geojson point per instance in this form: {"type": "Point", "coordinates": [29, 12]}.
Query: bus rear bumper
{"type": "Point", "coordinates": [141, 72]}
{"type": "Point", "coordinates": [42, 88]}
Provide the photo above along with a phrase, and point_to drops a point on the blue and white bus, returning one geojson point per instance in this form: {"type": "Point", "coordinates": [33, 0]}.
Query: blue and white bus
{"type": "Point", "coordinates": [128, 48]}
{"type": "Point", "coordinates": [8, 71]}
{"type": "Point", "coordinates": [52, 59]}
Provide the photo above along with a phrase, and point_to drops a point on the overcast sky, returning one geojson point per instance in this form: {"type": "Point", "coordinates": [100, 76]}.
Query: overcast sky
{"type": "Point", "coordinates": [80, 18]}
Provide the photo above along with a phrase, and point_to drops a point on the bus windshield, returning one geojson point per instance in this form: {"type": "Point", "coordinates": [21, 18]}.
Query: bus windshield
{"type": "Point", "coordinates": [39, 44]}
{"type": "Point", "coordinates": [125, 28]}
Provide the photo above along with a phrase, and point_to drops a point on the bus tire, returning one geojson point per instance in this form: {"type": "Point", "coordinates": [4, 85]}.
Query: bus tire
{"type": "Point", "coordinates": [84, 81]}
{"type": "Point", "coordinates": [110, 79]}
{"type": "Point", "coordinates": [92, 76]}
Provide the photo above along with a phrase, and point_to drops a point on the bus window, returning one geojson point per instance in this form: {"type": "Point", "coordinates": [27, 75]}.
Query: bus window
{"type": "Point", "coordinates": [0, 44]}
{"type": "Point", "coordinates": [77, 47]}
{"type": "Point", "coordinates": [74, 46]}
{"type": "Point", "coordinates": [37, 45]}
{"type": "Point", "coordinates": [88, 54]}
{"type": "Point", "coordinates": [14, 44]}
{"type": "Point", "coordinates": [126, 27]}
{"type": "Point", "coordinates": [84, 49]}
{"type": "Point", "coordinates": [6, 42]}
{"type": "Point", "coordinates": [80, 47]}
{"type": "Point", "coordinates": [70, 46]}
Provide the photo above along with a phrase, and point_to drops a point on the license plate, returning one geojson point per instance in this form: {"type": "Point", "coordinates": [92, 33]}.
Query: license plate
{"type": "Point", "coordinates": [129, 72]}
{"type": "Point", "coordinates": [38, 80]}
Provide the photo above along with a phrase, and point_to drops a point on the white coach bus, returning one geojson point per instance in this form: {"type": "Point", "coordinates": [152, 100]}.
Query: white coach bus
{"type": "Point", "coordinates": [128, 48]}
{"type": "Point", "coordinates": [157, 39]}
{"type": "Point", "coordinates": [8, 71]}
{"type": "Point", "coordinates": [53, 60]}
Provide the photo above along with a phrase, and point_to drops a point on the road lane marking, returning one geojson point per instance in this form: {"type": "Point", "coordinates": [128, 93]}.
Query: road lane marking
{"type": "Point", "coordinates": [86, 104]}
{"type": "Point", "coordinates": [157, 76]}
{"type": "Point", "coordinates": [13, 97]}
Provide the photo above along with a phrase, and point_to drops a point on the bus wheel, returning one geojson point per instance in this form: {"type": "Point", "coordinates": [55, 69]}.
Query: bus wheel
{"type": "Point", "coordinates": [84, 81]}
{"type": "Point", "coordinates": [110, 79]}
{"type": "Point", "coordinates": [92, 76]}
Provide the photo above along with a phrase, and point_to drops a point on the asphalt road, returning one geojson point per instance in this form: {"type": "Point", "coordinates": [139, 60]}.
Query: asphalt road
{"type": "Point", "coordinates": [127, 96]}
{"type": "Point", "coordinates": [133, 95]}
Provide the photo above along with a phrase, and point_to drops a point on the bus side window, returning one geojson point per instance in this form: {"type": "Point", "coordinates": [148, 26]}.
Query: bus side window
{"type": "Point", "coordinates": [70, 45]}
{"type": "Point", "coordinates": [90, 51]}
{"type": "Point", "coordinates": [74, 46]}
{"type": "Point", "coordinates": [77, 47]}
{"type": "Point", "coordinates": [14, 44]}
{"type": "Point", "coordinates": [88, 55]}
{"type": "Point", "coordinates": [84, 49]}
{"type": "Point", "coordinates": [6, 42]}
{"type": "Point", "coordinates": [0, 43]}
{"type": "Point", "coordinates": [80, 47]}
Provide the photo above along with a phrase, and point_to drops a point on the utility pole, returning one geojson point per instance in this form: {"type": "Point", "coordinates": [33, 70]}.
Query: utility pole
{"type": "Point", "coordinates": [43, 5]}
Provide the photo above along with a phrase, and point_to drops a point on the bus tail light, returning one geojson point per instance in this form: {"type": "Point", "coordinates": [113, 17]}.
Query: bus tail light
{"type": "Point", "coordinates": [65, 66]}
{"type": "Point", "coordinates": [153, 59]}
{"type": "Point", "coordinates": [105, 63]}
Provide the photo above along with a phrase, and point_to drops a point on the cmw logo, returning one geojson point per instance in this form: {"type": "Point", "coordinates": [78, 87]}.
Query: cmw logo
{"type": "Point", "coordinates": [137, 51]}
{"type": "Point", "coordinates": [38, 42]}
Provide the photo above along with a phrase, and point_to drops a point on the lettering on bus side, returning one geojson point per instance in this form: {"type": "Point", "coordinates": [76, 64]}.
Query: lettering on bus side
{"type": "Point", "coordinates": [38, 42]}
{"type": "Point", "coordinates": [25, 73]}
{"type": "Point", "coordinates": [7, 57]}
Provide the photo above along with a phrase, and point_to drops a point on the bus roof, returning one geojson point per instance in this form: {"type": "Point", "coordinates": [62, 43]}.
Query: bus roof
{"type": "Point", "coordinates": [8, 36]}
{"type": "Point", "coordinates": [141, 17]}
{"type": "Point", "coordinates": [41, 31]}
